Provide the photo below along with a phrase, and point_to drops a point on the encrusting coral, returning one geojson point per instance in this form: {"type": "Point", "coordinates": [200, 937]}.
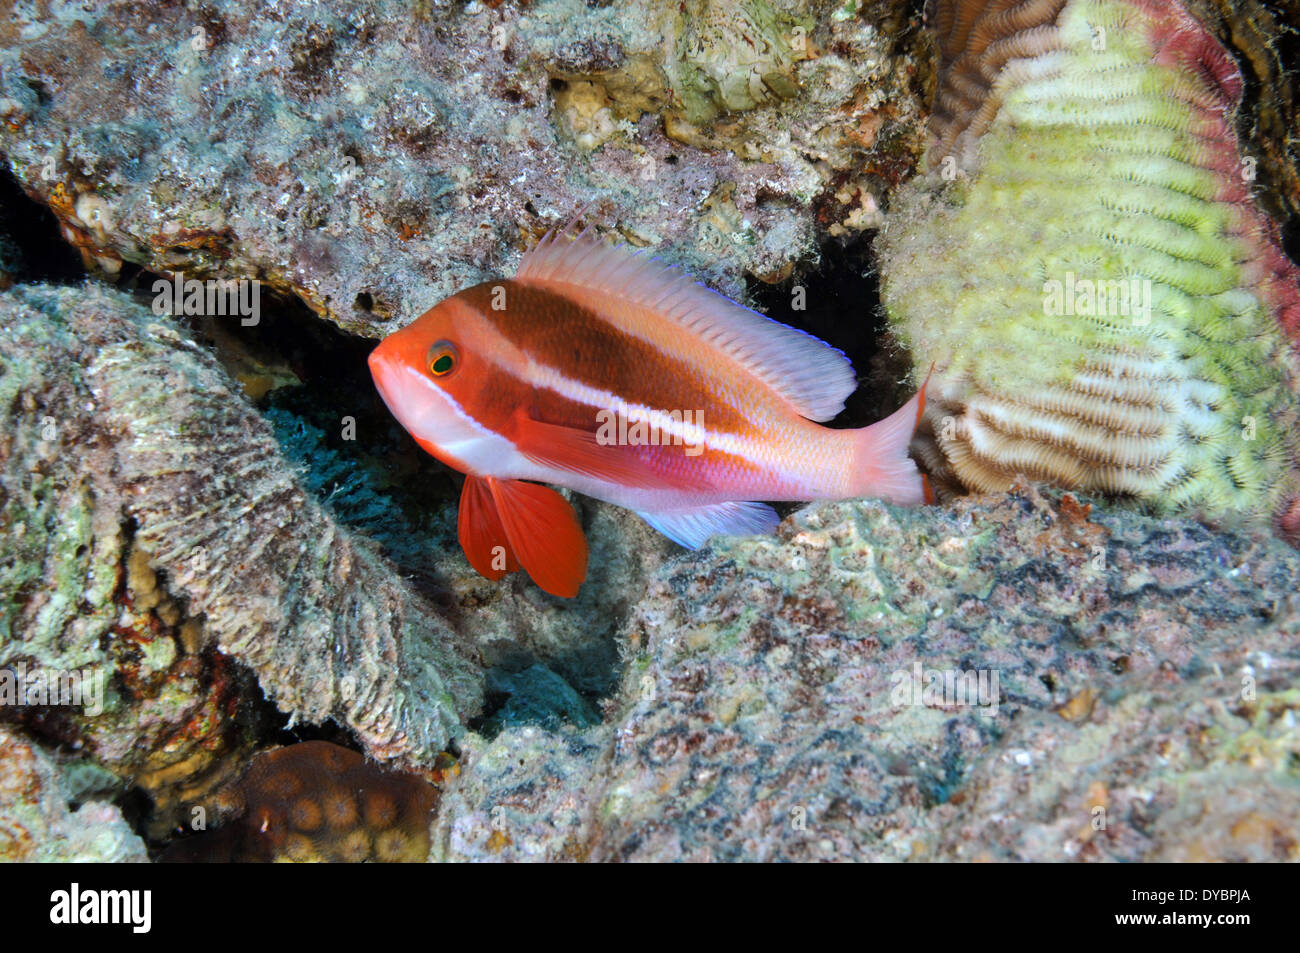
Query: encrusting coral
{"type": "Point", "coordinates": [1012, 677]}
{"type": "Point", "coordinates": [373, 156]}
{"type": "Point", "coordinates": [1086, 269]}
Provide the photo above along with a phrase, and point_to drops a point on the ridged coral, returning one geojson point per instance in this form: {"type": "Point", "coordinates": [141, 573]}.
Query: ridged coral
{"type": "Point", "coordinates": [1086, 268]}
{"type": "Point", "coordinates": [123, 426]}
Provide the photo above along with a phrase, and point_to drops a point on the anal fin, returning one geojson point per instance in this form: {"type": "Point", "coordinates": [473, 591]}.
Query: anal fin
{"type": "Point", "coordinates": [691, 527]}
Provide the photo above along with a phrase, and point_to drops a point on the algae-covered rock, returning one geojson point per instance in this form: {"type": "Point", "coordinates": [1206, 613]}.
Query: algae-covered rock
{"type": "Point", "coordinates": [95, 653]}
{"type": "Point", "coordinates": [136, 473]}
{"type": "Point", "coordinates": [38, 824]}
{"type": "Point", "coordinates": [374, 157]}
{"type": "Point", "coordinates": [1010, 678]}
{"type": "Point", "coordinates": [528, 795]}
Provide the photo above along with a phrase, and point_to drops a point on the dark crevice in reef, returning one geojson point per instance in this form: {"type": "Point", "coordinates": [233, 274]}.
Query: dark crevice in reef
{"type": "Point", "coordinates": [31, 247]}
{"type": "Point", "coordinates": [1270, 104]}
{"type": "Point", "coordinates": [841, 305]}
{"type": "Point", "coordinates": [276, 728]}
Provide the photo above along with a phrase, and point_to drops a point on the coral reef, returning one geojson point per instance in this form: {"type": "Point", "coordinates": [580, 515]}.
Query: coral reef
{"type": "Point", "coordinates": [136, 474]}
{"type": "Point", "coordinates": [202, 517]}
{"type": "Point", "coordinates": [373, 158]}
{"type": "Point", "coordinates": [778, 702]}
{"type": "Point", "coordinates": [1086, 269]}
{"type": "Point", "coordinates": [315, 802]}
{"type": "Point", "coordinates": [38, 824]}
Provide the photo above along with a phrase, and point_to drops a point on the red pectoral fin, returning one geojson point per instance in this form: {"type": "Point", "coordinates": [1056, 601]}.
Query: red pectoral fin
{"type": "Point", "coordinates": [544, 534]}
{"type": "Point", "coordinates": [482, 536]}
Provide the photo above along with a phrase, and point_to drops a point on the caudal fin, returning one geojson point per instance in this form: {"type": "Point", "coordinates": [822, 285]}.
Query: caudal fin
{"type": "Point", "coordinates": [884, 469]}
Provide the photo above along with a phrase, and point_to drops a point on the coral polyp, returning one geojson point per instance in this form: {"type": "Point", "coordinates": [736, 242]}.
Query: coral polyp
{"type": "Point", "coordinates": [1085, 266]}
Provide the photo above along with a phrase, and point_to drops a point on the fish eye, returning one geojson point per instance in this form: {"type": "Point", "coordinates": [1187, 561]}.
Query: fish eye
{"type": "Point", "coordinates": [442, 359]}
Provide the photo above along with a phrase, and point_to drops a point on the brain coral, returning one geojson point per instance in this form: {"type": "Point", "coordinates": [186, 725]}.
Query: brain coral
{"type": "Point", "coordinates": [1086, 268]}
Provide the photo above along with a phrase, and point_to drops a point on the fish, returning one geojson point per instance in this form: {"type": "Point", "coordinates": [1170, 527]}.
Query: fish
{"type": "Point", "coordinates": [607, 372]}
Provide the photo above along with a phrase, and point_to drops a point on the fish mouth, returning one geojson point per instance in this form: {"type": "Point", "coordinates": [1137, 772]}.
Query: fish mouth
{"type": "Point", "coordinates": [404, 391]}
{"type": "Point", "coordinates": [384, 372]}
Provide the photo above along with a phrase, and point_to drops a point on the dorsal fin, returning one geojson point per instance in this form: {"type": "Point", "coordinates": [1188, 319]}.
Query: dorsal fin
{"type": "Point", "coordinates": [815, 377]}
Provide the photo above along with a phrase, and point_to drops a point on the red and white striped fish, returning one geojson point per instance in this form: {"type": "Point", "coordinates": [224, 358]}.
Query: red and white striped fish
{"type": "Point", "coordinates": [604, 371]}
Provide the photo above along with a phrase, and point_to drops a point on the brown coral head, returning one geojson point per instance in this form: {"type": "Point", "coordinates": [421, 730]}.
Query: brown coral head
{"type": "Point", "coordinates": [318, 801]}
{"type": "Point", "coordinates": [1288, 522]}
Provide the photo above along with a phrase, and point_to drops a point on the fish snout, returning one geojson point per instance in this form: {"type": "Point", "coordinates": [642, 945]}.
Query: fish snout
{"type": "Point", "coordinates": [385, 370]}
{"type": "Point", "coordinates": [391, 380]}
{"type": "Point", "coordinates": [378, 361]}
{"type": "Point", "coordinates": [416, 401]}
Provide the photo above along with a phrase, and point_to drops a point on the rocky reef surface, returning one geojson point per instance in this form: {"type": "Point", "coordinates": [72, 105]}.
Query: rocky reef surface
{"type": "Point", "coordinates": [1129, 694]}
{"type": "Point", "coordinates": [374, 156]}
{"type": "Point", "coordinates": [37, 822]}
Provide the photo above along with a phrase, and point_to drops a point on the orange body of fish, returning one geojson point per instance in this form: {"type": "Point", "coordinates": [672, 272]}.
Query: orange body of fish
{"type": "Point", "coordinates": [607, 372]}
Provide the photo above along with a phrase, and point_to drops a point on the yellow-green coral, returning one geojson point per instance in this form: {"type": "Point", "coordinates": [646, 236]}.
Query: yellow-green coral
{"type": "Point", "coordinates": [1091, 281]}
